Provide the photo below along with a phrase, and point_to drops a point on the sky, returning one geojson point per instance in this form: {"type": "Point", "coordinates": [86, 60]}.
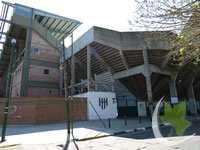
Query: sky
{"type": "Point", "coordinates": [111, 14]}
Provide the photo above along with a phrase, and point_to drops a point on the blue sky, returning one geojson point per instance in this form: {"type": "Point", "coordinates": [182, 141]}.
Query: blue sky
{"type": "Point", "coordinates": [112, 14]}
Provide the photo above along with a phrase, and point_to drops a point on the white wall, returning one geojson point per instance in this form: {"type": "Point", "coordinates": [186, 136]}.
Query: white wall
{"type": "Point", "coordinates": [110, 109]}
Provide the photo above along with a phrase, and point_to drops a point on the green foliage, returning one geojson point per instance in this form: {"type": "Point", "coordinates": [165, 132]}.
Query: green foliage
{"type": "Point", "coordinates": [181, 17]}
{"type": "Point", "coordinates": [181, 50]}
{"type": "Point", "coordinates": [179, 36]}
{"type": "Point", "coordinates": [175, 116]}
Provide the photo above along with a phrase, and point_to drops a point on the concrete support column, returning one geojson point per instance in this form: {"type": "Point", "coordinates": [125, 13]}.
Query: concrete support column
{"type": "Point", "coordinates": [113, 85]}
{"type": "Point", "coordinates": [149, 88]}
{"type": "Point", "coordinates": [72, 68]}
{"type": "Point", "coordinates": [96, 85]}
{"type": "Point", "coordinates": [147, 74]}
{"type": "Point", "coordinates": [191, 98]}
{"type": "Point", "coordinates": [88, 68]}
{"type": "Point", "coordinates": [61, 81]}
{"type": "Point", "coordinates": [24, 91]}
{"type": "Point", "coordinates": [173, 91]}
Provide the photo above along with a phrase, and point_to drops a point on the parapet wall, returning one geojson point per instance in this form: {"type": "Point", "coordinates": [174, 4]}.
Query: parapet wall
{"type": "Point", "coordinates": [41, 110]}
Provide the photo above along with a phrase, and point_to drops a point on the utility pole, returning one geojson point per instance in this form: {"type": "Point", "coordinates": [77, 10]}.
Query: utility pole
{"type": "Point", "coordinates": [66, 89]}
{"type": "Point", "coordinates": [72, 80]}
{"type": "Point", "coordinates": [13, 41]}
{"type": "Point", "coordinates": [72, 67]}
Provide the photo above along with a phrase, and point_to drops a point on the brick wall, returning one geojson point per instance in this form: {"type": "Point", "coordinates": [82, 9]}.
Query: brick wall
{"type": "Point", "coordinates": [37, 91]}
{"type": "Point", "coordinates": [42, 113]}
{"type": "Point", "coordinates": [46, 51]}
{"type": "Point", "coordinates": [36, 72]}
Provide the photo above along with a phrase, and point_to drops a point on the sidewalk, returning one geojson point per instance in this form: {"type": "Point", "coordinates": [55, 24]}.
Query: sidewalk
{"type": "Point", "coordinates": [54, 133]}
{"type": "Point", "coordinates": [49, 136]}
{"type": "Point", "coordinates": [112, 143]}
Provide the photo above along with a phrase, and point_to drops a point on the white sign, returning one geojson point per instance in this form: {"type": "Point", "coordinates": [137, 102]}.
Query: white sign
{"type": "Point", "coordinates": [100, 104]}
{"type": "Point", "coordinates": [141, 109]}
{"type": "Point", "coordinates": [174, 100]}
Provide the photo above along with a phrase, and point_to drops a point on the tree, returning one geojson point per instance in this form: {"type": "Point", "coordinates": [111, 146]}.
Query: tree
{"type": "Point", "coordinates": [179, 16]}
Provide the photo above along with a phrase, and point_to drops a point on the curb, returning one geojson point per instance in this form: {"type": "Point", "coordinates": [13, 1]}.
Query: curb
{"type": "Point", "coordinates": [138, 129]}
{"type": "Point", "coordinates": [122, 132]}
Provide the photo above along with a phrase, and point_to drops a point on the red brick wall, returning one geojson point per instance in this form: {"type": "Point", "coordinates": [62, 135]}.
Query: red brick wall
{"type": "Point", "coordinates": [36, 73]}
{"type": "Point", "coordinates": [42, 113]}
{"type": "Point", "coordinates": [37, 91]}
{"type": "Point", "coordinates": [47, 52]}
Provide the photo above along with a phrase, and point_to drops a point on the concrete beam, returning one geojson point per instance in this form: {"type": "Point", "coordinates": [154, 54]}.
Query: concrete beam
{"type": "Point", "coordinates": [129, 72]}
{"type": "Point", "coordinates": [140, 69]}
{"type": "Point", "coordinates": [123, 59]}
{"type": "Point", "coordinates": [77, 61]}
{"type": "Point", "coordinates": [101, 60]}
{"type": "Point", "coordinates": [44, 33]}
{"type": "Point", "coordinates": [166, 60]}
{"type": "Point", "coordinates": [156, 69]}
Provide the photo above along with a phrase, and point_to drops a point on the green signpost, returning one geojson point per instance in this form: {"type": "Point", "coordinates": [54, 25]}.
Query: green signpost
{"type": "Point", "coordinates": [8, 91]}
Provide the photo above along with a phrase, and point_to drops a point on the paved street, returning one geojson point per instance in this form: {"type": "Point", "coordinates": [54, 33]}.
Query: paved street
{"type": "Point", "coordinates": [148, 134]}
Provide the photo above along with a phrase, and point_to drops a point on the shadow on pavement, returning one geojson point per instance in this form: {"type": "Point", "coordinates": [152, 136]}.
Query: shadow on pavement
{"type": "Point", "coordinates": [116, 125]}
{"type": "Point", "coordinates": [148, 134]}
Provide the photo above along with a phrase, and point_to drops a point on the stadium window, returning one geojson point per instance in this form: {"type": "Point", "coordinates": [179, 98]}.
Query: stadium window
{"type": "Point", "coordinates": [36, 51]}
{"type": "Point", "coordinates": [46, 71]}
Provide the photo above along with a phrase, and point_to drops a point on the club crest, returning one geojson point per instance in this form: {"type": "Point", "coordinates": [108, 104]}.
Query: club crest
{"type": "Point", "coordinates": [103, 103]}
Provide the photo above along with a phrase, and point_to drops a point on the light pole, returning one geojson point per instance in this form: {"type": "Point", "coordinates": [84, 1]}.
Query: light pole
{"type": "Point", "coordinates": [66, 89]}
{"type": "Point", "coordinates": [13, 41]}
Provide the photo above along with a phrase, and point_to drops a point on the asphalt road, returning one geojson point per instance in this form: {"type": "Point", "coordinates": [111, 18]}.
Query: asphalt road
{"type": "Point", "coordinates": [147, 134]}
